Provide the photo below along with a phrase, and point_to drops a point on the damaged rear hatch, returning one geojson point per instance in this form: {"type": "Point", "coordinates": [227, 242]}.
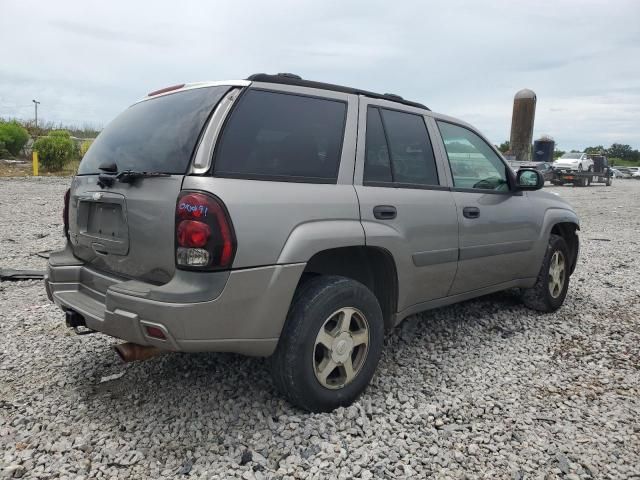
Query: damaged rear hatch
{"type": "Point", "coordinates": [123, 199]}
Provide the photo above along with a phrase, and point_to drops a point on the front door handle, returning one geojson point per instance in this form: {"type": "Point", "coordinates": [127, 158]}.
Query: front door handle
{"type": "Point", "coordinates": [471, 212]}
{"type": "Point", "coordinates": [385, 212]}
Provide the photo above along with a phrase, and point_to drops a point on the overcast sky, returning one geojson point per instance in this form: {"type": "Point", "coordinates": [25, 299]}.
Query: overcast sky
{"type": "Point", "coordinates": [86, 61]}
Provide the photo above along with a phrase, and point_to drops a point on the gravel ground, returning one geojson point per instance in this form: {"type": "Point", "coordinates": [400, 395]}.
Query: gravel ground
{"type": "Point", "coordinates": [484, 389]}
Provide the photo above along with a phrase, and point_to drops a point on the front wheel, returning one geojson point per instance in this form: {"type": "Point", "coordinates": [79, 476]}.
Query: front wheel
{"type": "Point", "coordinates": [550, 289]}
{"type": "Point", "coordinates": [330, 345]}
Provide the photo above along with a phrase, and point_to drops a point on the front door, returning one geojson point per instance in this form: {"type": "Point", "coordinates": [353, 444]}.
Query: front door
{"type": "Point", "coordinates": [497, 229]}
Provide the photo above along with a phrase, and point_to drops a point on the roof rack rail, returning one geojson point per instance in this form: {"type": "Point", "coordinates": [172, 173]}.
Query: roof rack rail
{"type": "Point", "coordinates": [293, 79]}
{"type": "Point", "coordinates": [283, 75]}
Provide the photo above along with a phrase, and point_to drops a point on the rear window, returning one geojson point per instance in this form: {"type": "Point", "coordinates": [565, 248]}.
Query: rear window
{"type": "Point", "coordinates": [156, 135]}
{"type": "Point", "coordinates": [282, 137]}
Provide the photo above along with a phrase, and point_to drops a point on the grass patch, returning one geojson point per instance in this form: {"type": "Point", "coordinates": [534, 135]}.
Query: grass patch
{"type": "Point", "coordinates": [619, 162]}
{"type": "Point", "coordinates": [26, 169]}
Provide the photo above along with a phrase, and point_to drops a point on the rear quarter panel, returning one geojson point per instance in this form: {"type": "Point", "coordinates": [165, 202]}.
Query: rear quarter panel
{"type": "Point", "coordinates": [287, 222]}
{"type": "Point", "coordinates": [281, 222]}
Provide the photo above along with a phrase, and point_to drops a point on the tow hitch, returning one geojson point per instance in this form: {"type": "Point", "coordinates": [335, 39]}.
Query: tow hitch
{"type": "Point", "coordinates": [76, 321]}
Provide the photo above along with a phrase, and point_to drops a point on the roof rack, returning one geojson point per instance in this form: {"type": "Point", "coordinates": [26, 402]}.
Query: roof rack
{"type": "Point", "coordinates": [293, 79]}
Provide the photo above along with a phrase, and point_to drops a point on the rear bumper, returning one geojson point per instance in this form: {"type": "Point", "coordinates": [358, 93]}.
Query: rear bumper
{"type": "Point", "coordinates": [240, 311]}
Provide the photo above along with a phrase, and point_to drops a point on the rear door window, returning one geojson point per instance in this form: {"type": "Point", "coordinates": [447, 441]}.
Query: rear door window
{"type": "Point", "coordinates": [377, 167]}
{"type": "Point", "coordinates": [155, 135]}
{"type": "Point", "coordinates": [398, 149]}
{"type": "Point", "coordinates": [282, 137]}
{"type": "Point", "coordinates": [410, 147]}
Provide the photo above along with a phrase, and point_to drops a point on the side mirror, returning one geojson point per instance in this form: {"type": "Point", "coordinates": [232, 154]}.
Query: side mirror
{"type": "Point", "coordinates": [529, 179]}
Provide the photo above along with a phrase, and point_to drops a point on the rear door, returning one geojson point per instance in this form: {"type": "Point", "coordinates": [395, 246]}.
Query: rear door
{"type": "Point", "coordinates": [405, 203]}
{"type": "Point", "coordinates": [497, 227]}
{"type": "Point", "coordinates": [128, 228]}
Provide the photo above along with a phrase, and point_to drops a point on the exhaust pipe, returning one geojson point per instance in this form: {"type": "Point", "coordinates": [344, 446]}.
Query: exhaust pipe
{"type": "Point", "coordinates": [132, 352]}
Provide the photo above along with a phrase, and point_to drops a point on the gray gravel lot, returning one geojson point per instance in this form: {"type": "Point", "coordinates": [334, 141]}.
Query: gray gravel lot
{"type": "Point", "coordinates": [484, 389]}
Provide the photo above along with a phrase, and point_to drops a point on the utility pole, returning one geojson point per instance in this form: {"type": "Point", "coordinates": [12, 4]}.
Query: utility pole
{"type": "Point", "coordinates": [36, 103]}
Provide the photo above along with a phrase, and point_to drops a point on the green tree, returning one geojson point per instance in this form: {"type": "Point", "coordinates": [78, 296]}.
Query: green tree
{"type": "Point", "coordinates": [595, 150]}
{"type": "Point", "coordinates": [84, 147]}
{"type": "Point", "coordinates": [504, 146]}
{"type": "Point", "coordinates": [558, 153]}
{"type": "Point", "coordinates": [618, 150]}
{"type": "Point", "coordinates": [55, 150]}
{"type": "Point", "coordinates": [13, 136]}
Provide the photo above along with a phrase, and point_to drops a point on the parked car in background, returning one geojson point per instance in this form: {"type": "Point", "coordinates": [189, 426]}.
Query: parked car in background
{"type": "Point", "coordinates": [634, 171]}
{"type": "Point", "coordinates": [299, 220]}
{"type": "Point", "coordinates": [545, 168]}
{"type": "Point", "coordinates": [625, 172]}
{"type": "Point", "coordinates": [619, 173]}
{"type": "Point", "coordinates": [574, 161]}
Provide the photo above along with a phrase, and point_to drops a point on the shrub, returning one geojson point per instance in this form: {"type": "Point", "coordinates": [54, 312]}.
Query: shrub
{"type": "Point", "coordinates": [54, 150]}
{"type": "Point", "coordinates": [13, 136]}
{"type": "Point", "coordinates": [4, 153]}
{"type": "Point", "coordinates": [84, 147]}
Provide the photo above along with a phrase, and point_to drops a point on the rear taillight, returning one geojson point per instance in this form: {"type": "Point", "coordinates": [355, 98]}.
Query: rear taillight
{"type": "Point", "coordinates": [65, 212]}
{"type": "Point", "coordinates": [204, 234]}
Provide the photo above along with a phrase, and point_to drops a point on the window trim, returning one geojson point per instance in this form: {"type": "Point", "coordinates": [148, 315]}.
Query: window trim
{"type": "Point", "coordinates": [510, 180]}
{"type": "Point", "coordinates": [279, 178]}
{"type": "Point", "coordinates": [393, 183]}
{"type": "Point", "coordinates": [386, 139]}
{"type": "Point", "coordinates": [415, 186]}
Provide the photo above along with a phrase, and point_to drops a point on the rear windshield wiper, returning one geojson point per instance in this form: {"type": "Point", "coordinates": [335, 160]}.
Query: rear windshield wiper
{"type": "Point", "coordinates": [126, 176]}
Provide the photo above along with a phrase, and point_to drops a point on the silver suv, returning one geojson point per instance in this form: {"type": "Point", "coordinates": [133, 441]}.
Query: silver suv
{"type": "Point", "coordinates": [296, 220]}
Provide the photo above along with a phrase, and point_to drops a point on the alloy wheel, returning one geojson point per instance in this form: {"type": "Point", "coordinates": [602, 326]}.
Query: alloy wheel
{"type": "Point", "coordinates": [557, 273]}
{"type": "Point", "coordinates": [341, 348]}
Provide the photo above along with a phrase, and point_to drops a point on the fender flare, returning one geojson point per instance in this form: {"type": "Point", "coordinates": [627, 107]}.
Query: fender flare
{"type": "Point", "coordinates": [552, 217]}
{"type": "Point", "coordinates": [309, 238]}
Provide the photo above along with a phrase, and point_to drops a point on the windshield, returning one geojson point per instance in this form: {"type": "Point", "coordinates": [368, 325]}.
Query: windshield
{"type": "Point", "coordinates": [571, 155]}
{"type": "Point", "coordinates": [156, 135]}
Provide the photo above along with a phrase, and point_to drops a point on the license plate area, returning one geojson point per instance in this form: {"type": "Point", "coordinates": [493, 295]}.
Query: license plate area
{"type": "Point", "coordinates": [102, 223]}
{"type": "Point", "coordinates": [105, 220]}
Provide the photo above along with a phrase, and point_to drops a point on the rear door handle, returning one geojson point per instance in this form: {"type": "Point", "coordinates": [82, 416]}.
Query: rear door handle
{"type": "Point", "coordinates": [471, 212]}
{"type": "Point", "coordinates": [385, 212]}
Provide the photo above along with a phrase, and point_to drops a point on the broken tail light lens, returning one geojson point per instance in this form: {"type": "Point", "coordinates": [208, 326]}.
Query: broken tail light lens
{"type": "Point", "coordinates": [205, 239]}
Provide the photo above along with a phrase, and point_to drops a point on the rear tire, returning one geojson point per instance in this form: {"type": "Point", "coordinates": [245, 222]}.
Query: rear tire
{"type": "Point", "coordinates": [550, 289]}
{"type": "Point", "coordinates": [332, 321]}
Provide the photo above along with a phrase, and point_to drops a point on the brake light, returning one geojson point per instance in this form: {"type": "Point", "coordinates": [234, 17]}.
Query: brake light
{"type": "Point", "coordinates": [165, 90]}
{"type": "Point", "coordinates": [205, 239]}
{"type": "Point", "coordinates": [65, 212]}
{"type": "Point", "coordinates": [193, 234]}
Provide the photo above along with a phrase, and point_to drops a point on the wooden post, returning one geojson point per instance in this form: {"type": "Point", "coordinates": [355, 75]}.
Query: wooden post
{"type": "Point", "coordinates": [35, 163]}
{"type": "Point", "coordinates": [524, 112]}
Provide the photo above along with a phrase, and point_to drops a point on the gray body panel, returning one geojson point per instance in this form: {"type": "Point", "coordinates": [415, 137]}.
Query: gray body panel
{"type": "Point", "coordinates": [423, 238]}
{"type": "Point", "coordinates": [124, 278]}
{"type": "Point", "coordinates": [146, 211]}
{"type": "Point", "coordinates": [498, 244]}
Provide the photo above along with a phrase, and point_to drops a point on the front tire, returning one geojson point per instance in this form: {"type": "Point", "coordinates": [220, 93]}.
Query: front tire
{"type": "Point", "coordinates": [330, 345]}
{"type": "Point", "coordinates": [550, 289]}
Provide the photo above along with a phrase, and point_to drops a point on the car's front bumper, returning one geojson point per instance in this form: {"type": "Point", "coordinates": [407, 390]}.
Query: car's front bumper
{"type": "Point", "coordinates": [241, 311]}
